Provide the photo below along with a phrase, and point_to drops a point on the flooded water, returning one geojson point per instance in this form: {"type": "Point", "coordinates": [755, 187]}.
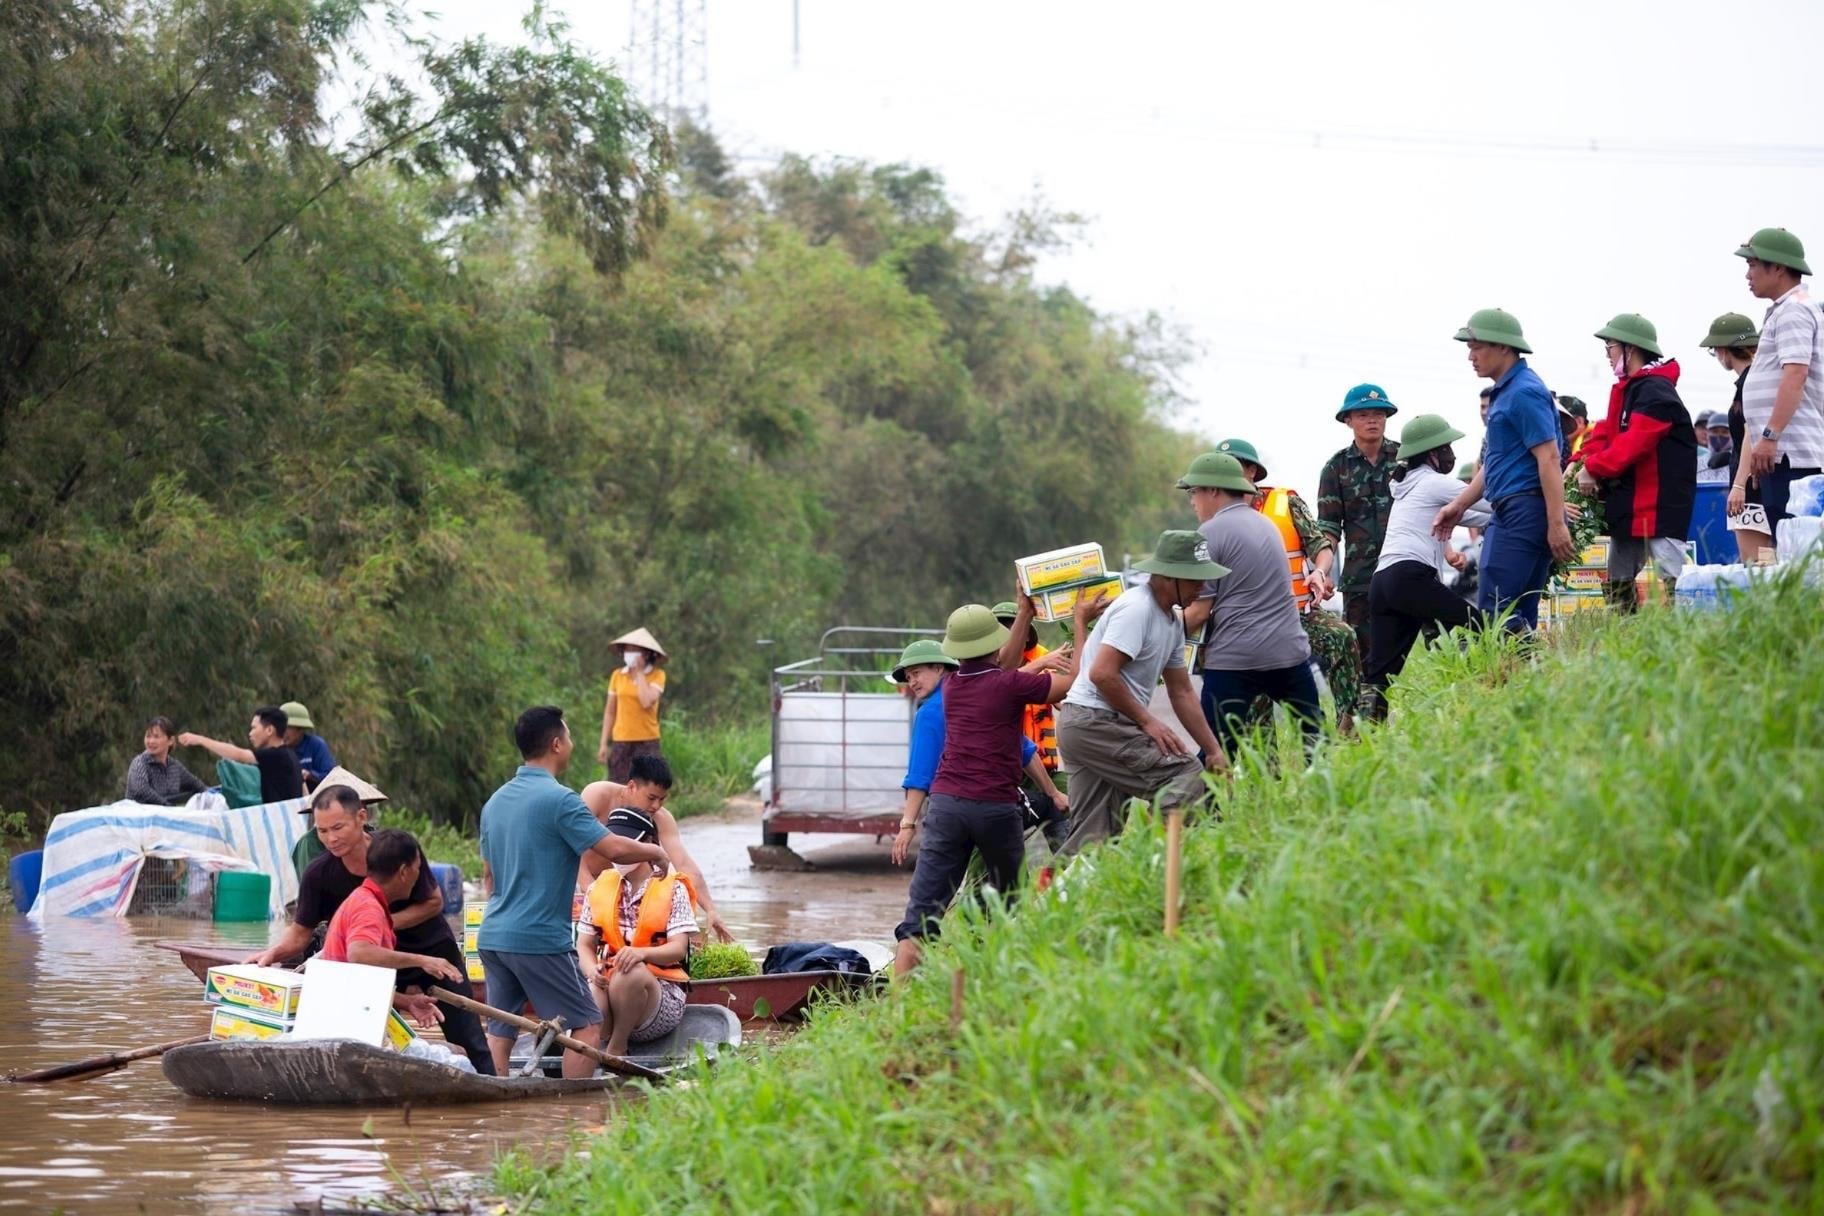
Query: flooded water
{"type": "Point", "coordinates": [129, 1142]}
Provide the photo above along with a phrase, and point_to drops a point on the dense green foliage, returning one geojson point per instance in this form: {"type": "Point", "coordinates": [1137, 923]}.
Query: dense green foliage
{"type": "Point", "coordinates": [1546, 942]}
{"type": "Point", "coordinates": [407, 421]}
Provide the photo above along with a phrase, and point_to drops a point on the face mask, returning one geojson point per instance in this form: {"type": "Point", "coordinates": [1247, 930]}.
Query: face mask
{"type": "Point", "coordinates": [630, 660]}
{"type": "Point", "coordinates": [1619, 366]}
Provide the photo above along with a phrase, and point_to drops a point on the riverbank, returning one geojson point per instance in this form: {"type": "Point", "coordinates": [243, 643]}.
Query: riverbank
{"type": "Point", "coordinates": [1547, 942]}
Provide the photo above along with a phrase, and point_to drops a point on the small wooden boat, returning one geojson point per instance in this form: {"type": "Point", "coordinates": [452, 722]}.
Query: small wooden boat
{"type": "Point", "coordinates": [341, 1072]}
{"type": "Point", "coordinates": [753, 998]}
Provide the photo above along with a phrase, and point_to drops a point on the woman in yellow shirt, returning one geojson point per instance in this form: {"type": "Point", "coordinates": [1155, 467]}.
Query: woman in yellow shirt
{"type": "Point", "coordinates": [630, 719]}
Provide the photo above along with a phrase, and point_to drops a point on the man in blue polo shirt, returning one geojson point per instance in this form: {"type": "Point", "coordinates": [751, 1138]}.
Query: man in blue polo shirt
{"type": "Point", "coordinates": [533, 831]}
{"type": "Point", "coordinates": [1521, 475]}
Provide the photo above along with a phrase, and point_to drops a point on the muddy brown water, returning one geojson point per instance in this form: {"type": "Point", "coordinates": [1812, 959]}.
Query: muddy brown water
{"type": "Point", "coordinates": [129, 1142]}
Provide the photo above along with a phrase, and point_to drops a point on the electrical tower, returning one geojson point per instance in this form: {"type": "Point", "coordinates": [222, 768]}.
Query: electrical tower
{"type": "Point", "coordinates": [668, 58]}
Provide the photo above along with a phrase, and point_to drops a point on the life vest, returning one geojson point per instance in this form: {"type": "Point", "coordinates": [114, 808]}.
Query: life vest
{"type": "Point", "coordinates": [603, 908]}
{"type": "Point", "coordinates": [1042, 723]}
{"type": "Point", "coordinates": [1277, 507]}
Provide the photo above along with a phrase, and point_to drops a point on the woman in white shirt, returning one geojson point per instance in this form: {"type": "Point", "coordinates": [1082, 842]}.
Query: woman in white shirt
{"type": "Point", "coordinates": [1408, 591]}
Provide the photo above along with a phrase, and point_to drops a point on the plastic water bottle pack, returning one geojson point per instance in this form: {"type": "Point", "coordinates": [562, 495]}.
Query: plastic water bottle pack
{"type": "Point", "coordinates": [1806, 496]}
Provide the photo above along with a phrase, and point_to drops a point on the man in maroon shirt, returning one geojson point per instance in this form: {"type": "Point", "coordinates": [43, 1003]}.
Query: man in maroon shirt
{"type": "Point", "coordinates": [974, 805]}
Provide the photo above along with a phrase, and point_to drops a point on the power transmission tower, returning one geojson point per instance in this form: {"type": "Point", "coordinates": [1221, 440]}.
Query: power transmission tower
{"type": "Point", "coordinates": [668, 58]}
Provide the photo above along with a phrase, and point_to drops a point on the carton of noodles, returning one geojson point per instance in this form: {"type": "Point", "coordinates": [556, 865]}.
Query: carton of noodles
{"type": "Point", "coordinates": [399, 1032]}
{"type": "Point", "coordinates": [236, 1022]}
{"type": "Point", "coordinates": [1058, 567]}
{"type": "Point", "coordinates": [1057, 603]}
{"type": "Point", "coordinates": [473, 914]}
{"type": "Point", "coordinates": [269, 989]}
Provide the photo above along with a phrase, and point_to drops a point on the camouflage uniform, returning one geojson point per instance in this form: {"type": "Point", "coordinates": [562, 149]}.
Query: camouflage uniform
{"type": "Point", "coordinates": [1332, 641]}
{"type": "Point", "coordinates": [1353, 500]}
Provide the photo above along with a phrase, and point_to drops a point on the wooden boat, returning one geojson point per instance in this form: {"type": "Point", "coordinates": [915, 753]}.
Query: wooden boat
{"type": "Point", "coordinates": [341, 1072]}
{"type": "Point", "coordinates": [753, 998]}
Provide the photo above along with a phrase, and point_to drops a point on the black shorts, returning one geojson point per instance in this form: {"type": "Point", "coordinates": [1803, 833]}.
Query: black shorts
{"type": "Point", "coordinates": [551, 983]}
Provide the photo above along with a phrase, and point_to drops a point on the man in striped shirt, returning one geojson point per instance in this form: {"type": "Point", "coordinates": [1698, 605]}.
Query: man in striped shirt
{"type": "Point", "coordinates": [1783, 396]}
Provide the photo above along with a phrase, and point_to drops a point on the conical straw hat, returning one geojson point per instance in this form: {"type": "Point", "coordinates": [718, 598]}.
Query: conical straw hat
{"type": "Point", "coordinates": [341, 776]}
{"type": "Point", "coordinates": [642, 639]}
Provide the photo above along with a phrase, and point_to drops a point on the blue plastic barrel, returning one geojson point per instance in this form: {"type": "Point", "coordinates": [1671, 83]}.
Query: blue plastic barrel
{"type": "Point", "coordinates": [449, 881]}
{"type": "Point", "coordinates": [1710, 525]}
{"type": "Point", "coordinates": [22, 875]}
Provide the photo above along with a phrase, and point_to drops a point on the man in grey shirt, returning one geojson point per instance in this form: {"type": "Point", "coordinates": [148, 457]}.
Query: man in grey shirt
{"type": "Point", "coordinates": [1118, 751]}
{"type": "Point", "coordinates": [1255, 653]}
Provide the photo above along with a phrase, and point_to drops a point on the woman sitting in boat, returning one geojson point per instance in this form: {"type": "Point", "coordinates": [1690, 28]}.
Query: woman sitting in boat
{"type": "Point", "coordinates": [638, 928]}
{"type": "Point", "coordinates": [648, 785]}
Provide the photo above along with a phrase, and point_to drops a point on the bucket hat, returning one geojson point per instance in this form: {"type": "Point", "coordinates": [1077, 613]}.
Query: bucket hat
{"type": "Point", "coordinates": [1366, 397]}
{"type": "Point", "coordinates": [1495, 325]}
{"type": "Point", "coordinates": [641, 638]}
{"type": "Point", "coordinates": [1182, 554]}
{"type": "Point", "coordinates": [972, 632]}
{"type": "Point", "coordinates": [1218, 471]}
{"type": "Point", "coordinates": [1425, 432]}
{"type": "Point", "coordinates": [1635, 330]}
{"type": "Point", "coordinates": [1242, 450]}
{"type": "Point", "coordinates": [917, 653]}
{"type": "Point", "coordinates": [1731, 329]}
{"type": "Point", "coordinates": [296, 715]}
{"type": "Point", "coordinates": [1778, 246]}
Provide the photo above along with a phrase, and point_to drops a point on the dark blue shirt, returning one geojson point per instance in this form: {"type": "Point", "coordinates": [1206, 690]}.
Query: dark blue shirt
{"type": "Point", "coordinates": [1521, 416]}
{"type": "Point", "coordinates": [313, 756]}
{"type": "Point", "coordinates": [928, 744]}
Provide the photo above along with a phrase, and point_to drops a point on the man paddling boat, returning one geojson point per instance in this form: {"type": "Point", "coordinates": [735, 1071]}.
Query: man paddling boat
{"type": "Point", "coordinates": [362, 929]}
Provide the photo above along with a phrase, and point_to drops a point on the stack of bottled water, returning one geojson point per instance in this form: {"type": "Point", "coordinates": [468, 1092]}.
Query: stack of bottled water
{"type": "Point", "coordinates": [1708, 588]}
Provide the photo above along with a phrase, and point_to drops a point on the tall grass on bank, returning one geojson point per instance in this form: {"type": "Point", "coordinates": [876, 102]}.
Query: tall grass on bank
{"type": "Point", "coordinates": [1550, 941]}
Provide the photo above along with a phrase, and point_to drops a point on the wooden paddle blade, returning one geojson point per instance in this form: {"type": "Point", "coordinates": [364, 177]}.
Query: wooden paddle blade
{"type": "Point", "coordinates": [95, 1066]}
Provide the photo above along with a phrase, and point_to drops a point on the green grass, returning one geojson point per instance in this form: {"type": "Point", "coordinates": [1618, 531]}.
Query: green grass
{"type": "Point", "coordinates": [711, 763]}
{"type": "Point", "coordinates": [1548, 942]}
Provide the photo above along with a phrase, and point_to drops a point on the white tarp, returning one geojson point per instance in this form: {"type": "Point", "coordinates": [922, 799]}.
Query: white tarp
{"type": "Point", "coordinates": [92, 858]}
{"type": "Point", "coordinates": [841, 751]}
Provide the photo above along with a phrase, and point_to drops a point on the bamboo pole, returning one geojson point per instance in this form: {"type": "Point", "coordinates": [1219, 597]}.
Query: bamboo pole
{"type": "Point", "coordinates": [1174, 865]}
{"type": "Point", "coordinates": [95, 1066]}
{"type": "Point", "coordinates": [626, 1068]}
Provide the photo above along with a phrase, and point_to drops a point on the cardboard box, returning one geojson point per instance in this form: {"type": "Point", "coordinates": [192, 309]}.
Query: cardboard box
{"type": "Point", "coordinates": [269, 989]}
{"type": "Point", "coordinates": [471, 941]}
{"type": "Point", "coordinates": [236, 1022]}
{"type": "Point", "coordinates": [1055, 568]}
{"type": "Point", "coordinates": [477, 973]}
{"type": "Point", "coordinates": [1056, 604]}
{"type": "Point", "coordinates": [399, 1032]}
{"type": "Point", "coordinates": [473, 914]}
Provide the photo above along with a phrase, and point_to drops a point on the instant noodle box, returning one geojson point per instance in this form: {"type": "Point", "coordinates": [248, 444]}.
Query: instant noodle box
{"type": "Point", "coordinates": [472, 915]}
{"type": "Point", "coordinates": [1059, 568]}
{"type": "Point", "coordinates": [236, 1022]}
{"type": "Point", "coordinates": [399, 1032]}
{"type": "Point", "coordinates": [271, 990]}
{"type": "Point", "coordinates": [1057, 603]}
{"type": "Point", "coordinates": [477, 973]}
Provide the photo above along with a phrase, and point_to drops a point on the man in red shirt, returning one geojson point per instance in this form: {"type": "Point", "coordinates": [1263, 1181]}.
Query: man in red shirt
{"type": "Point", "coordinates": [974, 804]}
{"type": "Point", "coordinates": [362, 932]}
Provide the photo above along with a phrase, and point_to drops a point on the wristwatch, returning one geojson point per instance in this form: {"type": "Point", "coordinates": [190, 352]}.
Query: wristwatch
{"type": "Point", "coordinates": [907, 825]}
{"type": "Point", "coordinates": [1768, 432]}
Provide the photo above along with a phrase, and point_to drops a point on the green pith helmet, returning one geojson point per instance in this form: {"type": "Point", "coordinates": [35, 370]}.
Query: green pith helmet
{"type": "Point", "coordinates": [1242, 450]}
{"type": "Point", "coordinates": [1216, 470]}
{"type": "Point", "coordinates": [1424, 433]}
{"type": "Point", "coordinates": [1731, 329]}
{"type": "Point", "coordinates": [1181, 554]}
{"type": "Point", "coordinates": [1495, 325]}
{"type": "Point", "coordinates": [296, 715]}
{"type": "Point", "coordinates": [1635, 330]}
{"type": "Point", "coordinates": [1005, 611]}
{"type": "Point", "coordinates": [1778, 246]}
{"type": "Point", "coordinates": [972, 632]}
{"type": "Point", "coordinates": [918, 653]}
{"type": "Point", "coordinates": [1466, 472]}
{"type": "Point", "coordinates": [1366, 397]}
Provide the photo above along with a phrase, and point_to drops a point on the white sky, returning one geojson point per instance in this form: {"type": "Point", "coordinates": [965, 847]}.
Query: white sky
{"type": "Point", "coordinates": [1452, 172]}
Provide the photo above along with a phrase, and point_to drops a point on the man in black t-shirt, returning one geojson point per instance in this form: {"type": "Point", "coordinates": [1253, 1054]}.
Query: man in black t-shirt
{"type": "Point", "coordinates": [280, 777]}
{"type": "Point", "coordinates": [342, 824]}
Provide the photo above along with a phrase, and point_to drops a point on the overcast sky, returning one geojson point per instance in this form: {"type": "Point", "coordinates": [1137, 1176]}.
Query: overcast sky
{"type": "Point", "coordinates": [1318, 194]}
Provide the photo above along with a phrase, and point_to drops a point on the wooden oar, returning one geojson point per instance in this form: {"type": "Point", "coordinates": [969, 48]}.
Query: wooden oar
{"type": "Point", "coordinates": [95, 1066]}
{"type": "Point", "coordinates": [626, 1068]}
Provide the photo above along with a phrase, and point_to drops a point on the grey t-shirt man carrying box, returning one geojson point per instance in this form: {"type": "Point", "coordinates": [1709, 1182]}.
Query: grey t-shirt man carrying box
{"type": "Point", "coordinates": [1115, 748]}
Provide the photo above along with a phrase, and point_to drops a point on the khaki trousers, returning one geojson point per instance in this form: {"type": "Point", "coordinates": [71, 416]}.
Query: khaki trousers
{"type": "Point", "coordinates": [1112, 763]}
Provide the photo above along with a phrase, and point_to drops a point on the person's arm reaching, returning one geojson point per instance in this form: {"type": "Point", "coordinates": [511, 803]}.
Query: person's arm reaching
{"type": "Point", "coordinates": [372, 954]}
{"type": "Point", "coordinates": [618, 850]}
{"type": "Point", "coordinates": [418, 913]}
{"type": "Point", "coordinates": [1014, 648]}
{"type": "Point", "coordinates": [1446, 519]}
{"type": "Point", "coordinates": [291, 943]}
{"type": "Point", "coordinates": [673, 843]}
{"type": "Point", "coordinates": [225, 751]}
{"type": "Point", "coordinates": [1105, 674]}
{"type": "Point", "coordinates": [1190, 715]}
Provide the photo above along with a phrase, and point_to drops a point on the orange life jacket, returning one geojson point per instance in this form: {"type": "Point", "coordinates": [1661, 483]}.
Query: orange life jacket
{"type": "Point", "coordinates": [1042, 723]}
{"type": "Point", "coordinates": [603, 908]}
{"type": "Point", "coordinates": [1277, 506]}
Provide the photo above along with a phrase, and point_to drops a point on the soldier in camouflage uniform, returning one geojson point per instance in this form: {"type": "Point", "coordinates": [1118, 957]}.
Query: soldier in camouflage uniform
{"type": "Point", "coordinates": [1354, 495]}
{"type": "Point", "coordinates": [1332, 641]}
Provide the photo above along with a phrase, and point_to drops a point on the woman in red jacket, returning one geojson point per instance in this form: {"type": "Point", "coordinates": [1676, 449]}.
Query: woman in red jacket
{"type": "Point", "coordinates": [1642, 458]}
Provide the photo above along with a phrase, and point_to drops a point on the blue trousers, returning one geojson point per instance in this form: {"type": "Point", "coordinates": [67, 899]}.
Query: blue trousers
{"type": "Point", "coordinates": [1229, 698]}
{"type": "Point", "coordinates": [1516, 561]}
